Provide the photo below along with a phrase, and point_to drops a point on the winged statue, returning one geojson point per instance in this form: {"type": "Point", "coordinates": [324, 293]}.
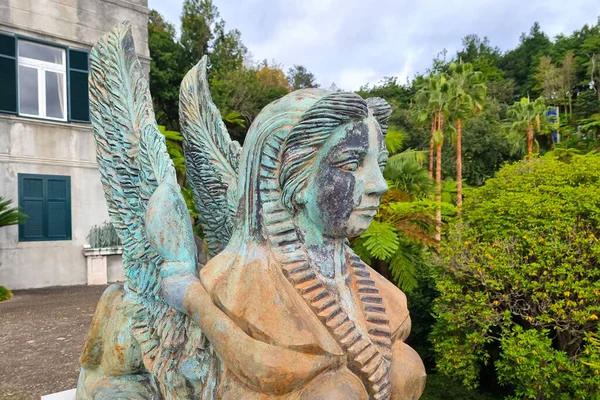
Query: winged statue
{"type": "Point", "coordinates": [284, 309]}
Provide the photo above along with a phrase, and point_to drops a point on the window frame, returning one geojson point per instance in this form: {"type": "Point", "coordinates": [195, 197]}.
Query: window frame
{"type": "Point", "coordinates": [45, 198]}
{"type": "Point", "coordinates": [41, 67]}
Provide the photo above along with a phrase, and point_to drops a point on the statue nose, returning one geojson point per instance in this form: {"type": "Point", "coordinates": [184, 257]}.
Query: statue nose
{"type": "Point", "coordinates": [376, 184]}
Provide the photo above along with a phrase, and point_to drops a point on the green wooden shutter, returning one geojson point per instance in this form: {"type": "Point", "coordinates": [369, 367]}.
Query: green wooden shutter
{"type": "Point", "coordinates": [31, 201]}
{"type": "Point", "coordinates": [58, 206]}
{"type": "Point", "coordinates": [8, 73]}
{"type": "Point", "coordinates": [46, 200]}
{"type": "Point", "coordinates": [79, 104]}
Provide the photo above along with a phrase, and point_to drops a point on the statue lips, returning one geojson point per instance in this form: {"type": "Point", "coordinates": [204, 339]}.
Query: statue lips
{"type": "Point", "coordinates": [367, 212]}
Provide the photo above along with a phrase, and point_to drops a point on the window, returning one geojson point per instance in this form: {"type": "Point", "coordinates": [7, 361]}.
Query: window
{"type": "Point", "coordinates": [43, 81]}
{"type": "Point", "coordinates": [46, 199]}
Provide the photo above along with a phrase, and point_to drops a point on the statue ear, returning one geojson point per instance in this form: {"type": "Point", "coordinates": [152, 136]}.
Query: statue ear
{"type": "Point", "coordinates": [301, 198]}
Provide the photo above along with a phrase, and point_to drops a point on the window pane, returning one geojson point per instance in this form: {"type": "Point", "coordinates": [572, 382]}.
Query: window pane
{"type": "Point", "coordinates": [41, 52]}
{"type": "Point", "coordinates": [55, 95]}
{"type": "Point", "coordinates": [28, 91]}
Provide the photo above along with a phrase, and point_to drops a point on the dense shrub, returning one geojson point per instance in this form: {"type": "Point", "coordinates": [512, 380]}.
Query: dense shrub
{"type": "Point", "coordinates": [520, 282]}
{"type": "Point", "coordinates": [5, 294]}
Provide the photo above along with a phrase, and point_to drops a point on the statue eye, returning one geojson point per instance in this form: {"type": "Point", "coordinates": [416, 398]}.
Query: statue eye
{"type": "Point", "coordinates": [350, 165]}
{"type": "Point", "coordinates": [382, 165]}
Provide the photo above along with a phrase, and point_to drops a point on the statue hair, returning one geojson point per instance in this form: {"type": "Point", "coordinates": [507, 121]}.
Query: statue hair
{"type": "Point", "coordinates": [309, 135]}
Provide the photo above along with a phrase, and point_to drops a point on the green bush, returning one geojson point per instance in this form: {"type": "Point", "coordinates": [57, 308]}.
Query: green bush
{"type": "Point", "coordinates": [5, 294]}
{"type": "Point", "coordinates": [520, 282]}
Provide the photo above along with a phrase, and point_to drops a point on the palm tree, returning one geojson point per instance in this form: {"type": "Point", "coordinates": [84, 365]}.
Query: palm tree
{"type": "Point", "coordinates": [468, 96]}
{"type": "Point", "coordinates": [10, 215]}
{"type": "Point", "coordinates": [525, 119]}
{"type": "Point", "coordinates": [434, 98]}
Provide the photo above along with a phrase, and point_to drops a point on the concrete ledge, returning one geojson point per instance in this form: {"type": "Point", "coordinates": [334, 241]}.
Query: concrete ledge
{"type": "Point", "coordinates": [103, 251]}
{"type": "Point", "coordinates": [66, 395]}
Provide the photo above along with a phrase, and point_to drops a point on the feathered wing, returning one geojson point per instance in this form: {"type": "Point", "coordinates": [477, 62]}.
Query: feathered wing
{"type": "Point", "coordinates": [211, 158]}
{"type": "Point", "coordinates": [133, 162]}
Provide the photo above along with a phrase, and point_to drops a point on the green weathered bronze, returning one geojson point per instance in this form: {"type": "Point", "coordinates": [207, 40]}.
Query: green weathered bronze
{"type": "Point", "coordinates": [284, 309]}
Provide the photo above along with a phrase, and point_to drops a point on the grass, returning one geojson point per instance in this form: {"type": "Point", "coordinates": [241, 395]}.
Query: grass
{"type": "Point", "coordinates": [5, 294]}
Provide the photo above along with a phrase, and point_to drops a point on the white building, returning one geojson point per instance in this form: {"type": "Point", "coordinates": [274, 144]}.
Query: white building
{"type": "Point", "coordinates": [47, 150]}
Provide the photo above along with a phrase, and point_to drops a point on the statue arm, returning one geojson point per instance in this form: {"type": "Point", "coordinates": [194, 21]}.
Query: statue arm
{"type": "Point", "coordinates": [267, 368]}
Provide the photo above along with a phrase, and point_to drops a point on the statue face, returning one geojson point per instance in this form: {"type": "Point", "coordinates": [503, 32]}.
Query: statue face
{"type": "Point", "coordinates": [346, 181]}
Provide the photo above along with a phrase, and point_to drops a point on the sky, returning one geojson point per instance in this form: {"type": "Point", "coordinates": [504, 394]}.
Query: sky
{"type": "Point", "coordinates": [355, 42]}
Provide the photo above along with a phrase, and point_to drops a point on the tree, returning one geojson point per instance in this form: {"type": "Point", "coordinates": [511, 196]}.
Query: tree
{"type": "Point", "coordinates": [300, 78]}
{"type": "Point", "coordinates": [568, 78]}
{"type": "Point", "coordinates": [468, 95]}
{"type": "Point", "coordinates": [525, 118]}
{"type": "Point", "coordinates": [399, 97]}
{"type": "Point", "coordinates": [228, 53]}
{"type": "Point", "coordinates": [484, 146]}
{"type": "Point", "coordinates": [10, 215]}
{"type": "Point", "coordinates": [549, 80]}
{"type": "Point", "coordinates": [594, 72]}
{"type": "Point", "coordinates": [272, 76]}
{"type": "Point", "coordinates": [198, 21]}
{"type": "Point", "coordinates": [520, 63]}
{"type": "Point", "coordinates": [167, 69]}
{"type": "Point", "coordinates": [520, 285]}
{"type": "Point", "coordinates": [433, 98]}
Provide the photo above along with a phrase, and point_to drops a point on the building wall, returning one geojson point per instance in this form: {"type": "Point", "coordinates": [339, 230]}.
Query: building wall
{"type": "Point", "coordinates": [76, 23]}
{"type": "Point", "coordinates": [58, 148]}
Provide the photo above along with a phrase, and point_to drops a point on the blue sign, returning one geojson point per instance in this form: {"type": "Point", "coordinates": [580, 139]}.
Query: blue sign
{"type": "Point", "coordinates": [552, 116]}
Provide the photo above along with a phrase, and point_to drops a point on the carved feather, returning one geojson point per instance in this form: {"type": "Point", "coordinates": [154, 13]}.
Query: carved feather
{"type": "Point", "coordinates": [211, 158]}
{"type": "Point", "coordinates": [133, 161]}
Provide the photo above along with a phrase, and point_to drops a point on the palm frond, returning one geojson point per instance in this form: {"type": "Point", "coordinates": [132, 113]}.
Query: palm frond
{"type": "Point", "coordinates": [403, 266]}
{"type": "Point", "coordinates": [394, 140]}
{"type": "Point", "coordinates": [381, 240]}
{"type": "Point", "coordinates": [10, 215]}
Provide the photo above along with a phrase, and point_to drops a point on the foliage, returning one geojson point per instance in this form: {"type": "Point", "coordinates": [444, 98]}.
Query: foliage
{"type": "Point", "coordinates": [10, 215]}
{"type": "Point", "coordinates": [440, 387]}
{"type": "Point", "coordinates": [301, 78]}
{"type": "Point", "coordinates": [5, 294]}
{"type": "Point", "coordinates": [167, 68]}
{"type": "Point", "coordinates": [174, 141]}
{"type": "Point", "coordinates": [103, 235]}
{"type": "Point", "coordinates": [198, 22]}
{"type": "Point", "coordinates": [525, 119]}
{"type": "Point", "coordinates": [520, 64]}
{"type": "Point", "coordinates": [520, 282]}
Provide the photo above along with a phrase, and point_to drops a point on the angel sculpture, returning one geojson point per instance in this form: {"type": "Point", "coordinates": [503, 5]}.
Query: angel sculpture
{"type": "Point", "coordinates": [284, 309]}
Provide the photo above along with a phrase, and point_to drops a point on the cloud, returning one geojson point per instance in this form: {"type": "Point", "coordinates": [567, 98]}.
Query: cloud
{"type": "Point", "coordinates": [354, 42]}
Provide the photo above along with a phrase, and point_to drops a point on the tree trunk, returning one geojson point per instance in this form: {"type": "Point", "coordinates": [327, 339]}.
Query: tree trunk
{"type": "Point", "coordinates": [529, 141]}
{"type": "Point", "coordinates": [431, 146]}
{"type": "Point", "coordinates": [570, 107]}
{"type": "Point", "coordinates": [382, 267]}
{"type": "Point", "coordinates": [459, 164]}
{"type": "Point", "coordinates": [438, 180]}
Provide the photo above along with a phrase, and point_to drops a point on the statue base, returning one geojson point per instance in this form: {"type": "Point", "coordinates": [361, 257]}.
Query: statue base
{"type": "Point", "coordinates": [65, 395]}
